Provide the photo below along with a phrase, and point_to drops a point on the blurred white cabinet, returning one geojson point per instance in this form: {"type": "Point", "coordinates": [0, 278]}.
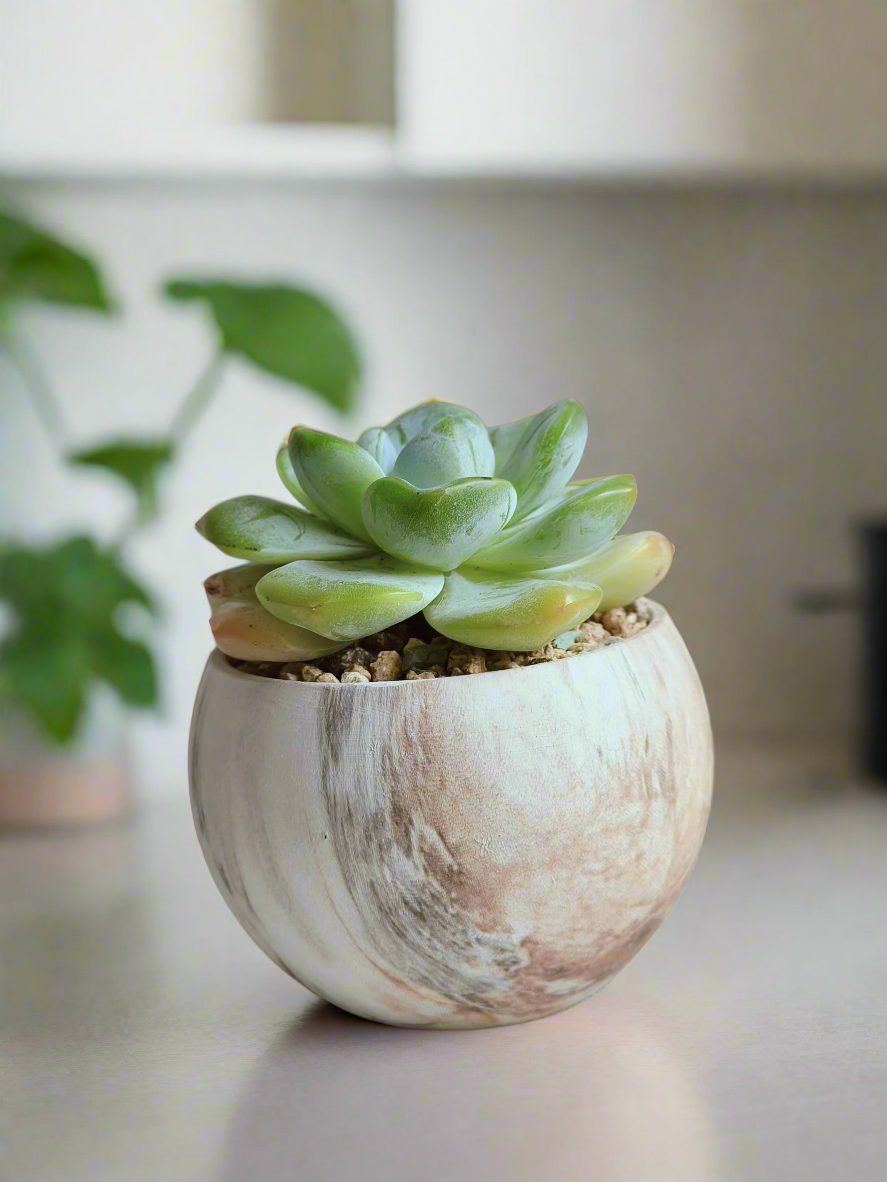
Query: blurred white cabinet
{"type": "Point", "coordinates": [575, 88]}
{"type": "Point", "coordinates": [198, 86]}
{"type": "Point", "coordinates": [740, 87]}
{"type": "Point", "coordinates": [113, 70]}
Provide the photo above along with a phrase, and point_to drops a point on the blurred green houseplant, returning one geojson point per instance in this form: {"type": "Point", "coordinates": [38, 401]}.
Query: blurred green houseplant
{"type": "Point", "coordinates": [77, 615]}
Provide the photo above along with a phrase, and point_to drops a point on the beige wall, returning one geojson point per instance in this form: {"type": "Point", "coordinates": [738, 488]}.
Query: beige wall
{"type": "Point", "coordinates": [730, 349]}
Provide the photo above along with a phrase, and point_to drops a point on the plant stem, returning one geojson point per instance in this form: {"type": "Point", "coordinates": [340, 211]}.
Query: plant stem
{"type": "Point", "coordinates": [38, 387]}
{"type": "Point", "coordinates": [198, 398]}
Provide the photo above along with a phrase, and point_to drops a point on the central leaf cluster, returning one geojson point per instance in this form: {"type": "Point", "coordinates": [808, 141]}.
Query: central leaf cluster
{"type": "Point", "coordinates": [482, 530]}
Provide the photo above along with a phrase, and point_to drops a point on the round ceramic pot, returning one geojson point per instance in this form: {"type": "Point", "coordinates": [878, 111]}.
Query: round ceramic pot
{"type": "Point", "coordinates": [460, 852]}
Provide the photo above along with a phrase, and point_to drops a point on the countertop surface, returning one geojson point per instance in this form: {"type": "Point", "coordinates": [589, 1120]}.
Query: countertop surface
{"type": "Point", "coordinates": [144, 1038]}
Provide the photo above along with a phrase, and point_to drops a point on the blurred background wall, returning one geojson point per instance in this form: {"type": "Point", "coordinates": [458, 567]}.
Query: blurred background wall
{"type": "Point", "coordinates": [728, 340]}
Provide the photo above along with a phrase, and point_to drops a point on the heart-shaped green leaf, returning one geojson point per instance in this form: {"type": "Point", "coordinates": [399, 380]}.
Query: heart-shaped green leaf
{"type": "Point", "coordinates": [436, 527]}
{"type": "Point", "coordinates": [488, 610]}
{"type": "Point", "coordinates": [126, 665]}
{"type": "Point", "coordinates": [335, 474]}
{"type": "Point", "coordinates": [545, 457]}
{"type": "Point", "coordinates": [347, 600]}
{"type": "Point", "coordinates": [35, 265]}
{"type": "Point", "coordinates": [378, 443]}
{"type": "Point", "coordinates": [419, 419]}
{"type": "Point", "coordinates": [287, 474]}
{"type": "Point", "coordinates": [453, 449]}
{"type": "Point", "coordinates": [626, 568]}
{"type": "Point", "coordinates": [261, 530]}
{"type": "Point", "coordinates": [288, 332]}
{"type": "Point", "coordinates": [582, 521]}
{"type": "Point", "coordinates": [138, 463]}
{"type": "Point", "coordinates": [66, 605]}
{"type": "Point", "coordinates": [243, 629]}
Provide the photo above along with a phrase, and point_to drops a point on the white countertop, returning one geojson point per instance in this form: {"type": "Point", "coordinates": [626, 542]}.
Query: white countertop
{"type": "Point", "coordinates": [145, 1039]}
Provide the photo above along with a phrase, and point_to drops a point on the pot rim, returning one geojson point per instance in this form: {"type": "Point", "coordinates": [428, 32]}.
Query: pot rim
{"type": "Point", "coordinates": [221, 664]}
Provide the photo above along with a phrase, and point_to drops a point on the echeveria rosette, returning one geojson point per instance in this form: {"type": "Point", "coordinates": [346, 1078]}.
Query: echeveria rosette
{"type": "Point", "coordinates": [481, 530]}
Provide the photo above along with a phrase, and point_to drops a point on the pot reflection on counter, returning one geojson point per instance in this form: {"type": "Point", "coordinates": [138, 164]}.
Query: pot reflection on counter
{"type": "Point", "coordinates": [597, 1092]}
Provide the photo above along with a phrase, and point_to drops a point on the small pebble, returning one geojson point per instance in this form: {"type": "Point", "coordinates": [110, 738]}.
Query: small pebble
{"type": "Point", "coordinates": [540, 655]}
{"type": "Point", "coordinates": [311, 673]}
{"type": "Point", "coordinates": [387, 666]}
{"type": "Point", "coordinates": [506, 661]}
{"type": "Point", "coordinates": [327, 678]}
{"type": "Point", "coordinates": [463, 662]}
{"type": "Point", "coordinates": [592, 632]}
{"type": "Point", "coordinates": [353, 677]}
{"type": "Point", "coordinates": [390, 639]}
{"type": "Point", "coordinates": [349, 658]}
{"type": "Point", "coordinates": [417, 654]}
{"type": "Point", "coordinates": [614, 620]}
{"type": "Point", "coordinates": [643, 609]}
{"type": "Point", "coordinates": [361, 669]}
{"type": "Point", "coordinates": [415, 675]}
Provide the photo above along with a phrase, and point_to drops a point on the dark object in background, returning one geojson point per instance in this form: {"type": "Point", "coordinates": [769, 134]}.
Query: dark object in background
{"type": "Point", "coordinates": [874, 692]}
{"type": "Point", "coordinates": [870, 600]}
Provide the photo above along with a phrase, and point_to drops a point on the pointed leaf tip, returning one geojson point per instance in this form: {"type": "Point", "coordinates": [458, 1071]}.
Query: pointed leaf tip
{"type": "Point", "coordinates": [243, 629]}
{"type": "Point", "coordinates": [439, 527]}
{"type": "Point", "coordinates": [335, 473]}
{"type": "Point", "coordinates": [347, 600]}
{"type": "Point", "coordinates": [495, 611]}
{"type": "Point", "coordinates": [423, 417]}
{"type": "Point", "coordinates": [580, 522]}
{"type": "Point", "coordinates": [454, 448]}
{"type": "Point", "coordinates": [538, 455]}
{"type": "Point", "coordinates": [260, 529]}
{"type": "Point", "coordinates": [628, 567]}
{"type": "Point", "coordinates": [378, 443]}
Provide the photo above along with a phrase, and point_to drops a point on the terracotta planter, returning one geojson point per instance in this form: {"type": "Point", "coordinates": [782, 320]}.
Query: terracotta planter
{"type": "Point", "coordinates": [44, 786]}
{"type": "Point", "coordinates": [47, 793]}
{"type": "Point", "coordinates": [462, 852]}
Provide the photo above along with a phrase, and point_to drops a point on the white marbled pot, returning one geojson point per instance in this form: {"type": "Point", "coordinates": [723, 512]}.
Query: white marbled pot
{"type": "Point", "coordinates": [461, 852]}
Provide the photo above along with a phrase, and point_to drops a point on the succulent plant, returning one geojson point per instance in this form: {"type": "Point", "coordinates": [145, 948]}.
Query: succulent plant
{"type": "Point", "coordinates": [482, 531]}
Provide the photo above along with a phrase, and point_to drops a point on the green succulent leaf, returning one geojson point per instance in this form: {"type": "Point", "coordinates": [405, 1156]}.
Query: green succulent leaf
{"type": "Point", "coordinates": [378, 443]}
{"type": "Point", "coordinates": [625, 569]}
{"type": "Point", "coordinates": [138, 463]}
{"type": "Point", "coordinates": [453, 449]}
{"type": "Point", "coordinates": [285, 331]}
{"type": "Point", "coordinates": [347, 600]}
{"type": "Point", "coordinates": [335, 474]}
{"type": "Point", "coordinates": [262, 530]}
{"type": "Point", "coordinates": [243, 629]}
{"type": "Point", "coordinates": [489, 610]}
{"type": "Point", "coordinates": [35, 265]}
{"type": "Point", "coordinates": [582, 521]}
{"type": "Point", "coordinates": [419, 419]}
{"type": "Point", "coordinates": [546, 455]}
{"type": "Point", "coordinates": [66, 602]}
{"type": "Point", "coordinates": [436, 527]}
{"type": "Point", "coordinates": [287, 474]}
{"type": "Point", "coordinates": [505, 438]}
